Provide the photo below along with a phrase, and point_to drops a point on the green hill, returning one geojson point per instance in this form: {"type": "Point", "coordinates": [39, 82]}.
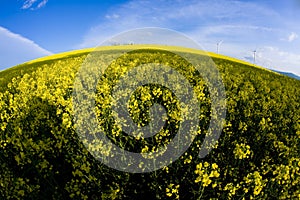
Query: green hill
{"type": "Point", "coordinates": [42, 157]}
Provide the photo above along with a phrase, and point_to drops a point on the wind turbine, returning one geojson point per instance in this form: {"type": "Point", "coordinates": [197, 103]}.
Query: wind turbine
{"type": "Point", "coordinates": [257, 57]}
{"type": "Point", "coordinates": [254, 55]}
{"type": "Point", "coordinates": [218, 44]}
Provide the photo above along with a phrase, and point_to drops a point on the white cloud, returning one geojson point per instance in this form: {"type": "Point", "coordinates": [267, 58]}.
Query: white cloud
{"type": "Point", "coordinates": [274, 58]}
{"type": "Point", "coordinates": [292, 37]}
{"type": "Point", "coordinates": [113, 16]}
{"type": "Point", "coordinates": [16, 49]}
{"type": "Point", "coordinates": [202, 16]}
{"type": "Point", "coordinates": [235, 34]}
{"type": "Point", "coordinates": [30, 4]}
{"type": "Point", "coordinates": [243, 25]}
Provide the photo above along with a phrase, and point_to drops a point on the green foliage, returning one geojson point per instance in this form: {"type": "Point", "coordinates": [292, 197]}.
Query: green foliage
{"type": "Point", "coordinates": [41, 156]}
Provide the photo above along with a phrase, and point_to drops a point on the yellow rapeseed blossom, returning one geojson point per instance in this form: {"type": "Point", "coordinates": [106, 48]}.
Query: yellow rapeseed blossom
{"type": "Point", "coordinates": [173, 190]}
{"type": "Point", "coordinates": [241, 151]}
{"type": "Point", "coordinates": [206, 173]}
{"type": "Point", "coordinates": [255, 181]}
{"type": "Point", "coordinates": [37, 131]}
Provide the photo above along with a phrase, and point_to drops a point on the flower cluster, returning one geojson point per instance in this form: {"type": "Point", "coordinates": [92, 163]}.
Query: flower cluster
{"type": "Point", "coordinates": [241, 151]}
{"type": "Point", "coordinates": [206, 173]}
{"type": "Point", "coordinates": [255, 181]}
{"type": "Point", "coordinates": [173, 191]}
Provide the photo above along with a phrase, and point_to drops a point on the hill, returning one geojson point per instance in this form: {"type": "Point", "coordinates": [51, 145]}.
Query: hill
{"type": "Point", "coordinates": [288, 74]}
{"type": "Point", "coordinates": [42, 156]}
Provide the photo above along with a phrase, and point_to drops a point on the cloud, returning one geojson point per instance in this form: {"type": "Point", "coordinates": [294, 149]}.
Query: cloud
{"type": "Point", "coordinates": [273, 58]}
{"type": "Point", "coordinates": [34, 4]}
{"type": "Point", "coordinates": [16, 49]}
{"type": "Point", "coordinates": [214, 17]}
{"type": "Point", "coordinates": [234, 33]}
{"type": "Point", "coordinates": [292, 37]}
{"type": "Point", "coordinates": [113, 16]}
{"type": "Point", "coordinates": [242, 25]}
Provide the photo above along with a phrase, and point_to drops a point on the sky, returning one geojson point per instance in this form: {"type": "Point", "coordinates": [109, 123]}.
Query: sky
{"type": "Point", "coordinates": [31, 29]}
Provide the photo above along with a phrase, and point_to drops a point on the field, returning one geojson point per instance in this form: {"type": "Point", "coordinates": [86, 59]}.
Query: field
{"type": "Point", "coordinates": [42, 157]}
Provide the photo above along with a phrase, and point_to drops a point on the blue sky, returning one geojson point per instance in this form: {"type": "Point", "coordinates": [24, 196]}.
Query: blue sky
{"type": "Point", "coordinates": [34, 28]}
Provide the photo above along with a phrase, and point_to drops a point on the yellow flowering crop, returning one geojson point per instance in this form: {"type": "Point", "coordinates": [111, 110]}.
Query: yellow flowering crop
{"type": "Point", "coordinates": [42, 156]}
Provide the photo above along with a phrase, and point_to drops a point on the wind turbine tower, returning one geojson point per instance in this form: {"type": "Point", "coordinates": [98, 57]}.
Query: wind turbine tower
{"type": "Point", "coordinates": [254, 56]}
{"type": "Point", "coordinates": [218, 45]}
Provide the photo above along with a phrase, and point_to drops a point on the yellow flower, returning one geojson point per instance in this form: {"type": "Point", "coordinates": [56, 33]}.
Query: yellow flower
{"type": "Point", "coordinates": [214, 174]}
{"type": "Point", "coordinates": [214, 166]}
{"type": "Point", "coordinates": [188, 160]}
{"type": "Point", "coordinates": [172, 189]}
{"type": "Point", "coordinates": [205, 180]}
{"type": "Point", "coordinates": [206, 164]}
{"type": "Point", "coordinates": [145, 149]}
{"type": "Point", "coordinates": [241, 151]}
